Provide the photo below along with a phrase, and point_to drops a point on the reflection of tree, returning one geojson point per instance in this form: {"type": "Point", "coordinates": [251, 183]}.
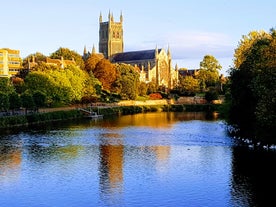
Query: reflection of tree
{"type": "Point", "coordinates": [49, 153]}
{"type": "Point", "coordinates": [253, 177]}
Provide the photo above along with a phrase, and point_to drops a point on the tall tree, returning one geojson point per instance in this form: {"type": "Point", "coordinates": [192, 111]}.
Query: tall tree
{"type": "Point", "coordinates": [253, 86]}
{"type": "Point", "coordinates": [246, 44]}
{"type": "Point", "coordinates": [208, 74]}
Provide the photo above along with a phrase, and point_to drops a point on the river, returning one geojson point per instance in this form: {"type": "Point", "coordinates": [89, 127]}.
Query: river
{"type": "Point", "coordinates": [152, 159]}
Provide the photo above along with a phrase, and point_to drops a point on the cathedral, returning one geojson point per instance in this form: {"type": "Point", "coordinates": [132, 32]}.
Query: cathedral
{"type": "Point", "coordinates": [154, 65]}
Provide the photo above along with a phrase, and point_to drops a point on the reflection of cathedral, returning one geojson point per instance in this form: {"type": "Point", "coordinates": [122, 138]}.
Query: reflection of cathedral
{"type": "Point", "coordinates": [153, 65]}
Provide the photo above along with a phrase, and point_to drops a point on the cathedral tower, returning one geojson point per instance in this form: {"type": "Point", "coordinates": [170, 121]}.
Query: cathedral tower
{"type": "Point", "coordinates": [111, 36]}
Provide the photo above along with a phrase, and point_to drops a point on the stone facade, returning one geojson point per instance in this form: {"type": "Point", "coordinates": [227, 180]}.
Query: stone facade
{"type": "Point", "coordinates": [111, 39]}
{"type": "Point", "coordinates": [153, 65]}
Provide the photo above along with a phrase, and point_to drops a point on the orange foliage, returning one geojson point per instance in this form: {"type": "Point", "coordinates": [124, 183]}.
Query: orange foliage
{"type": "Point", "coordinates": [105, 72]}
{"type": "Point", "coordinates": [155, 96]}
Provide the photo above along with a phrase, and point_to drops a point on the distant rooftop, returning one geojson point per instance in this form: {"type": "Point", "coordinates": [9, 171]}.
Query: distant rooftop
{"type": "Point", "coordinates": [135, 55]}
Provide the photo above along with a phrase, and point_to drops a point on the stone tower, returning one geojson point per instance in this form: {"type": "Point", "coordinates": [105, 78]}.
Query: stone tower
{"type": "Point", "coordinates": [111, 39]}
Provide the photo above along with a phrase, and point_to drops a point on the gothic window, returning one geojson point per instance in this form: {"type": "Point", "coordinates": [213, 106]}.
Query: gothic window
{"type": "Point", "coordinates": [117, 36]}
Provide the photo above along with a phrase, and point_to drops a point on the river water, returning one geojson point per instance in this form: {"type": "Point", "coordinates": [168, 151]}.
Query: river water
{"type": "Point", "coordinates": [152, 159]}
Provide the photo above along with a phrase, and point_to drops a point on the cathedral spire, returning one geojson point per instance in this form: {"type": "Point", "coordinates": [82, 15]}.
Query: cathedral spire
{"type": "Point", "coordinates": [93, 50]}
{"type": "Point", "coordinates": [169, 51]}
{"type": "Point", "coordinates": [176, 67]}
{"type": "Point", "coordinates": [101, 18]}
{"type": "Point", "coordinates": [121, 17]}
{"type": "Point", "coordinates": [156, 51]}
{"type": "Point", "coordinates": [84, 51]}
{"type": "Point", "coordinates": [109, 16]}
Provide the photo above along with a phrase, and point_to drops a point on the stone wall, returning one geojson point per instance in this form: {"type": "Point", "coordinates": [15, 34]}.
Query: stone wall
{"type": "Point", "coordinates": [143, 103]}
{"type": "Point", "coordinates": [191, 100]}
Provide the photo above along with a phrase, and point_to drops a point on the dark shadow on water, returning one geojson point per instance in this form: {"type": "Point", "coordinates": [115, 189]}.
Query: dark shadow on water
{"type": "Point", "coordinates": [254, 177]}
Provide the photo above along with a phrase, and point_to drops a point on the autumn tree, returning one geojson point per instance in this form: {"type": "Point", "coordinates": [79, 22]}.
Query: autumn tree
{"type": "Point", "coordinates": [18, 84]}
{"type": "Point", "coordinates": [92, 61]}
{"type": "Point", "coordinates": [105, 72]}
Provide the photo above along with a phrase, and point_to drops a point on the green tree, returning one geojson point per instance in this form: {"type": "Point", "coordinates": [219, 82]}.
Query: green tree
{"type": "Point", "coordinates": [246, 44]}
{"type": "Point", "coordinates": [253, 87]}
{"type": "Point", "coordinates": [6, 85]}
{"type": "Point", "coordinates": [208, 74]}
{"type": "Point", "coordinates": [152, 88]}
{"type": "Point", "coordinates": [53, 84]}
{"type": "Point", "coordinates": [27, 100]}
{"type": "Point", "coordinates": [189, 85]}
{"type": "Point", "coordinates": [15, 101]}
{"type": "Point", "coordinates": [127, 81]}
{"type": "Point", "coordinates": [39, 98]}
{"type": "Point", "coordinates": [68, 54]}
{"type": "Point", "coordinates": [143, 88]}
{"type": "Point", "coordinates": [4, 101]}
{"type": "Point", "coordinates": [92, 86]}
{"type": "Point", "coordinates": [77, 79]}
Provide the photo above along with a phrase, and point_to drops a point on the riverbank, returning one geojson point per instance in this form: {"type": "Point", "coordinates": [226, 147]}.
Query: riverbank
{"type": "Point", "coordinates": [72, 112]}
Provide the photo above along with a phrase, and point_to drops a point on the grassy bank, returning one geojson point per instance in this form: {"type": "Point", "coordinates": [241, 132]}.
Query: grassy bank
{"type": "Point", "coordinates": [38, 118]}
{"type": "Point", "coordinates": [124, 110]}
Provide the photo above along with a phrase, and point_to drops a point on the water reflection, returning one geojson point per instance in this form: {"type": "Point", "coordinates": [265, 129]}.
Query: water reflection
{"type": "Point", "coordinates": [10, 163]}
{"type": "Point", "coordinates": [253, 177]}
{"type": "Point", "coordinates": [154, 159]}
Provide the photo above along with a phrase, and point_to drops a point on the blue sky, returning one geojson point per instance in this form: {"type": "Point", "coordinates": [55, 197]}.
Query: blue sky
{"type": "Point", "coordinates": [192, 29]}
